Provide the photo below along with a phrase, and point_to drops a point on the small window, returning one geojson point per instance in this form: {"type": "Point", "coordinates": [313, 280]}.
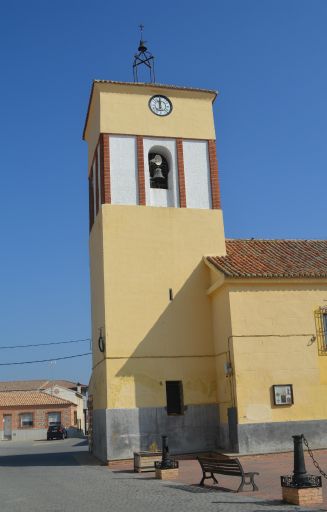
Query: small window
{"type": "Point", "coordinates": [321, 329]}
{"type": "Point", "coordinates": [26, 420]}
{"type": "Point", "coordinates": [174, 392]}
{"type": "Point", "coordinates": [324, 321]}
{"type": "Point", "coordinates": [75, 418]}
{"type": "Point", "coordinates": [159, 169]}
{"type": "Point", "coordinates": [54, 418]}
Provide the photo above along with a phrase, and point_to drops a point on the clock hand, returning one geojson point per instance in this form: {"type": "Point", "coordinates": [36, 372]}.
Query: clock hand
{"type": "Point", "coordinates": [160, 104]}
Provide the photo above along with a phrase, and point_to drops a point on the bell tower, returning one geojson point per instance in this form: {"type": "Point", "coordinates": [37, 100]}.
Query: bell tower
{"type": "Point", "coordinates": [154, 213]}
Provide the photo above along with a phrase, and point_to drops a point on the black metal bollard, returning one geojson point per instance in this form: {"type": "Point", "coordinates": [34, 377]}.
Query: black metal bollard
{"type": "Point", "coordinates": [299, 473]}
{"type": "Point", "coordinates": [166, 461]}
{"type": "Point", "coordinates": [165, 451]}
{"type": "Point", "coordinates": [300, 478]}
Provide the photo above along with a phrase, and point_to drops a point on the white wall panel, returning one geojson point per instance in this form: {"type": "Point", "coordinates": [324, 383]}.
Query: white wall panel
{"type": "Point", "coordinates": [157, 196]}
{"type": "Point", "coordinates": [123, 170]}
{"type": "Point", "coordinates": [197, 174]}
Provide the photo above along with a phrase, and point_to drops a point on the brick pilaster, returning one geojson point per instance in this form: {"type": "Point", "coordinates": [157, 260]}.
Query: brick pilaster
{"type": "Point", "coordinates": [96, 182]}
{"type": "Point", "coordinates": [91, 200]}
{"type": "Point", "coordinates": [181, 175]}
{"type": "Point", "coordinates": [215, 192]}
{"type": "Point", "coordinates": [105, 168]}
{"type": "Point", "coordinates": [140, 169]}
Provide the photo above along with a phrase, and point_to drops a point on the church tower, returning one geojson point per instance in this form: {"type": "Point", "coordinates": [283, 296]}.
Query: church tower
{"type": "Point", "coordinates": [154, 214]}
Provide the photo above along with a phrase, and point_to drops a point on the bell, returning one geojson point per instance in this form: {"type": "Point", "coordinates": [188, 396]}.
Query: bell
{"type": "Point", "coordinates": [142, 48]}
{"type": "Point", "coordinates": [157, 174]}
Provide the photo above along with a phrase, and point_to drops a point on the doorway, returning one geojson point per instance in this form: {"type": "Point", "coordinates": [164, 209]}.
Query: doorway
{"type": "Point", "coordinates": [7, 427]}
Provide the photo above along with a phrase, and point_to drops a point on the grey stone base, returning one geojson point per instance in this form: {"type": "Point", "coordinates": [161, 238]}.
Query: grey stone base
{"type": "Point", "coordinates": [117, 433]}
{"type": "Point", "coordinates": [99, 434]}
{"type": "Point", "coordinates": [277, 437]}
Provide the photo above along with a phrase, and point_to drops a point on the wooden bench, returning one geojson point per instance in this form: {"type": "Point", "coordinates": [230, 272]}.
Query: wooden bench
{"type": "Point", "coordinates": [229, 467]}
{"type": "Point", "coordinates": [144, 461]}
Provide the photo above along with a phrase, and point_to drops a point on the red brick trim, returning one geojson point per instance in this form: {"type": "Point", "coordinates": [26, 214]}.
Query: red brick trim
{"type": "Point", "coordinates": [105, 168]}
{"type": "Point", "coordinates": [91, 200]}
{"type": "Point", "coordinates": [181, 175]}
{"type": "Point", "coordinates": [96, 181]}
{"type": "Point", "coordinates": [140, 169]}
{"type": "Point", "coordinates": [215, 192]}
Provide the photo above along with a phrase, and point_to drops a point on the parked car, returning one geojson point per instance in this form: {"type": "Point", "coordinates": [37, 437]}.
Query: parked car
{"type": "Point", "coordinates": [56, 432]}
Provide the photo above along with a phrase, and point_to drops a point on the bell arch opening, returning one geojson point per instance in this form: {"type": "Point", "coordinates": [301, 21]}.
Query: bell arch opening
{"type": "Point", "coordinates": [158, 168]}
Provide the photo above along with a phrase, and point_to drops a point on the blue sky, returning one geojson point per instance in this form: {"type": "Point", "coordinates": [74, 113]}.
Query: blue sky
{"type": "Point", "coordinates": [267, 58]}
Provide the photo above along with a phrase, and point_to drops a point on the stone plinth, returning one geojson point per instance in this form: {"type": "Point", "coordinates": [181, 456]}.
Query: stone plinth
{"type": "Point", "coordinates": [306, 496]}
{"type": "Point", "coordinates": [166, 474]}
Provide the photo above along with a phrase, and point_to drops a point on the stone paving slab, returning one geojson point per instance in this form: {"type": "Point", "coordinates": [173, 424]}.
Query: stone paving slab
{"type": "Point", "coordinates": [270, 467]}
{"type": "Point", "coordinates": [62, 477]}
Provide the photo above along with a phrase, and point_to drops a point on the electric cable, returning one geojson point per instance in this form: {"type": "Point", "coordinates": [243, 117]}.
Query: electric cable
{"type": "Point", "coordinates": [46, 360]}
{"type": "Point", "coordinates": [45, 344]}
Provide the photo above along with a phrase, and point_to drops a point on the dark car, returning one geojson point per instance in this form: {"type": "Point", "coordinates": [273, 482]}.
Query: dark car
{"type": "Point", "coordinates": [56, 432]}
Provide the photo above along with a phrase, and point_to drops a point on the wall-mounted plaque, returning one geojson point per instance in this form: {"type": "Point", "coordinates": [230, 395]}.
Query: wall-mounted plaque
{"type": "Point", "coordinates": [283, 394]}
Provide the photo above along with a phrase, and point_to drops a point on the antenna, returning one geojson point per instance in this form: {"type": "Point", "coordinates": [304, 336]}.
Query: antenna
{"type": "Point", "coordinates": [143, 57]}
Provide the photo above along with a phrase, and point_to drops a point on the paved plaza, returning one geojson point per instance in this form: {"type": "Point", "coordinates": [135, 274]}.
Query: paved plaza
{"type": "Point", "coordinates": [61, 476]}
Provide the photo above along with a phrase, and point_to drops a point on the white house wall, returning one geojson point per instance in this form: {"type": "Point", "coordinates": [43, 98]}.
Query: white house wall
{"type": "Point", "coordinates": [123, 170]}
{"type": "Point", "coordinates": [157, 196]}
{"type": "Point", "coordinates": [197, 174]}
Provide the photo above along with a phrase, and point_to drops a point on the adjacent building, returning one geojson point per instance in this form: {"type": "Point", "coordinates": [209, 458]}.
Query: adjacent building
{"type": "Point", "coordinates": [27, 408]}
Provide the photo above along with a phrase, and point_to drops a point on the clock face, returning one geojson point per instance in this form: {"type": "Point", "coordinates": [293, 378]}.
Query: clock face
{"type": "Point", "coordinates": [160, 105]}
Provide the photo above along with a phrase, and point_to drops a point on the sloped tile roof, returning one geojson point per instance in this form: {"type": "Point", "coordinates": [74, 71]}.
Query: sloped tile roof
{"type": "Point", "coordinates": [273, 258]}
{"type": "Point", "coordinates": [30, 385]}
{"type": "Point", "coordinates": [25, 398]}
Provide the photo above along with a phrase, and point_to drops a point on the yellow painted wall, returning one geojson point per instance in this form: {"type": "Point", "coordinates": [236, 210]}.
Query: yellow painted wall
{"type": "Point", "coordinates": [279, 309]}
{"type": "Point", "coordinates": [146, 251]}
{"type": "Point", "coordinates": [141, 382]}
{"type": "Point", "coordinates": [123, 109]}
{"type": "Point", "coordinates": [97, 389]}
{"type": "Point", "coordinates": [222, 329]}
{"type": "Point", "coordinates": [93, 128]}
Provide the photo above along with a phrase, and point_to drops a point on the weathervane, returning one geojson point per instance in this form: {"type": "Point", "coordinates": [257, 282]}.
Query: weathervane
{"type": "Point", "coordinates": [143, 57]}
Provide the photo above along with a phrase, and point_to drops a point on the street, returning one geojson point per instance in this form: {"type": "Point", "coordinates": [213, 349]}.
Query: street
{"type": "Point", "coordinates": [61, 476]}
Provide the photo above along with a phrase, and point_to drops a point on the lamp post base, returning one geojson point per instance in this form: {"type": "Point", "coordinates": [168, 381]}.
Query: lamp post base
{"type": "Point", "coordinates": [302, 496]}
{"type": "Point", "coordinates": [167, 474]}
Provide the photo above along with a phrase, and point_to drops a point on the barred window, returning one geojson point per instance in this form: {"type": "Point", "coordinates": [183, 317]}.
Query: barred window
{"type": "Point", "coordinates": [321, 329]}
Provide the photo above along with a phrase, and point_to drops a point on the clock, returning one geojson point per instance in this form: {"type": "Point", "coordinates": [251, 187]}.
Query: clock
{"type": "Point", "coordinates": [160, 105]}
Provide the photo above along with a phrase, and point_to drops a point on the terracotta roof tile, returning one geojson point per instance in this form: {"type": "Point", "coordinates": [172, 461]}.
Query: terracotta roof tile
{"type": "Point", "coordinates": [16, 398]}
{"type": "Point", "coordinates": [273, 258]}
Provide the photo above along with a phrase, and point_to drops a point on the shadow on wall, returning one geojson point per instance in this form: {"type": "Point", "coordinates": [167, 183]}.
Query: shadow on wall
{"type": "Point", "coordinates": [179, 347]}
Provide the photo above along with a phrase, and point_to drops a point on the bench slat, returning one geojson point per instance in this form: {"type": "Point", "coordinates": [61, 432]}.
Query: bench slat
{"type": "Point", "coordinates": [229, 467]}
{"type": "Point", "coordinates": [225, 466]}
